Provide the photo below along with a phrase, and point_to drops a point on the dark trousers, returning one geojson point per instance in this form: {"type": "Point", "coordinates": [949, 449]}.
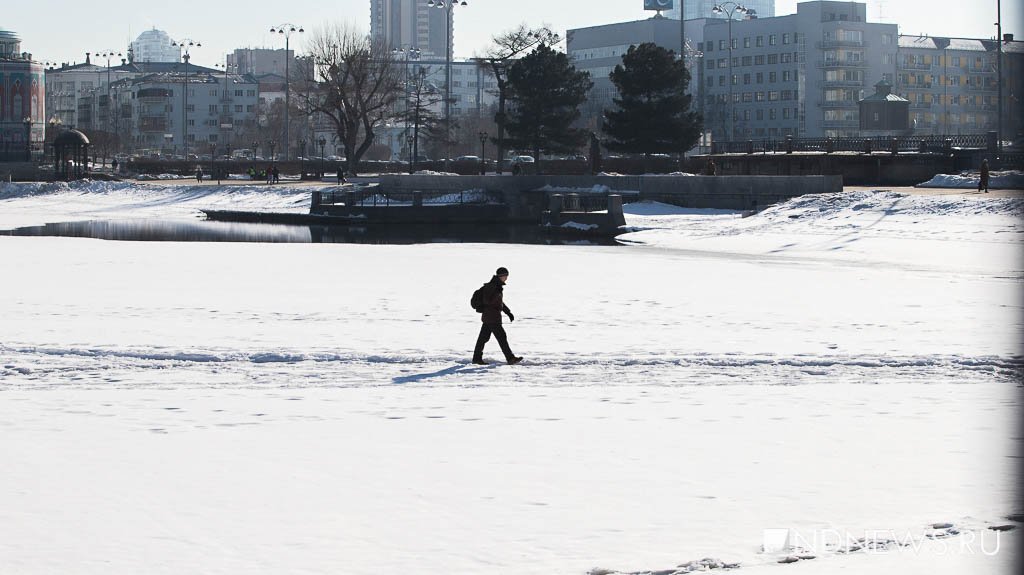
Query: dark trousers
{"type": "Point", "coordinates": [485, 335]}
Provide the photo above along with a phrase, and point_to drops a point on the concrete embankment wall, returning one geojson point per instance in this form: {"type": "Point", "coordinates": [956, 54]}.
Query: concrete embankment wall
{"type": "Point", "coordinates": [723, 192]}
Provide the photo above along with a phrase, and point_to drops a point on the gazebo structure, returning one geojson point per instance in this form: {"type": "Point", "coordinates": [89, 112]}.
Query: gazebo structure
{"type": "Point", "coordinates": [71, 154]}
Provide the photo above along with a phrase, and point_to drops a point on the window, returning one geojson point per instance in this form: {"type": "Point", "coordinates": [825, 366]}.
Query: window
{"type": "Point", "coordinates": [736, 61]}
{"type": "Point", "coordinates": [709, 46]}
{"type": "Point", "coordinates": [212, 108]}
{"type": "Point", "coordinates": [773, 40]}
{"type": "Point", "coordinates": [735, 79]}
{"type": "Point", "coordinates": [711, 81]}
{"type": "Point", "coordinates": [746, 42]}
{"type": "Point", "coordinates": [250, 93]}
{"type": "Point", "coordinates": [759, 60]}
{"type": "Point", "coordinates": [785, 75]}
{"type": "Point", "coordinates": [773, 59]}
{"type": "Point", "coordinates": [723, 63]}
{"type": "Point", "coordinates": [746, 115]}
{"type": "Point", "coordinates": [773, 77]}
{"type": "Point", "coordinates": [760, 114]}
{"type": "Point", "coordinates": [711, 64]}
{"type": "Point", "coordinates": [748, 97]}
{"type": "Point", "coordinates": [785, 39]}
{"type": "Point", "coordinates": [773, 96]}
{"type": "Point", "coordinates": [771, 114]}
{"type": "Point", "coordinates": [760, 41]}
{"type": "Point", "coordinates": [785, 113]}
{"type": "Point", "coordinates": [735, 43]}
{"type": "Point", "coordinates": [213, 92]}
{"type": "Point", "coordinates": [746, 79]}
{"type": "Point", "coordinates": [721, 45]}
{"type": "Point", "coordinates": [190, 108]}
{"type": "Point", "coordinates": [238, 108]}
{"type": "Point", "coordinates": [721, 80]}
{"type": "Point", "coordinates": [760, 78]}
{"type": "Point", "coordinates": [249, 108]}
{"type": "Point", "coordinates": [238, 93]}
{"type": "Point", "coordinates": [747, 60]}
{"type": "Point", "coordinates": [786, 58]}
{"type": "Point", "coordinates": [759, 97]}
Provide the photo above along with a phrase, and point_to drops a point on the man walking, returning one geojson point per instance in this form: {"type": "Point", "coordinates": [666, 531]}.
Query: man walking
{"type": "Point", "coordinates": [491, 307]}
{"type": "Point", "coordinates": [983, 181]}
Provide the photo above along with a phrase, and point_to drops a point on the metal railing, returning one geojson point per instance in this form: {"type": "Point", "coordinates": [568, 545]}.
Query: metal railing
{"type": "Point", "coordinates": [379, 198]}
{"type": "Point", "coordinates": [923, 143]}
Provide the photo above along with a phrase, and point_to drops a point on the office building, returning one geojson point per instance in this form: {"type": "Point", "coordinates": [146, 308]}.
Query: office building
{"type": "Point", "coordinates": [405, 24]}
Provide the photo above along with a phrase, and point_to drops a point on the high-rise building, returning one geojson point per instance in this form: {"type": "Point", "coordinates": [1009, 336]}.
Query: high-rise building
{"type": "Point", "coordinates": [404, 24]}
{"type": "Point", "coordinates": [705, 9]}
{"type": "Point", "coordinates": [154, 46]}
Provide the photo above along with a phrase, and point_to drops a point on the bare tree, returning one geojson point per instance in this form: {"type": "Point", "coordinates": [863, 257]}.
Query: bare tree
{"type": "Point", "coordinates": [506, 48]}
{"type": "Point", "coordinates": [358, 83]}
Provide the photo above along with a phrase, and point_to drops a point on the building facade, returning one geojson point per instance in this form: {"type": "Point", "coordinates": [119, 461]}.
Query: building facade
{"type": "Point", "coordinates": [262, 61]}
{"type": "Point", "coordinates": [799, 75]}
{"type": "Point", "coordinates": [953, 84]}
{"type": "Point", "coordinates": [598, 49]}
{"type": "Point", "coordinates": [22, 101]}
{"type": "Point", "coordinates": [153, 46]}
{"type": "Point", "coordinates": [406, 24]}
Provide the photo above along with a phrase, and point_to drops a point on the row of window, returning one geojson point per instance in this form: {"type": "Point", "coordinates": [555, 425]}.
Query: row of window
{"type": "Point", "coordinates": [238, 93]}
{"type": "Point", "coordinates": [759, 60]}
{"type": "Point", "coordinates": [754, 41]}
{"type": "Point", "coordinates": [758, 78]}
{"type": "Point", "coordinates": [751, 97]}
{"type": "Point", "coordinates": [762, 115]}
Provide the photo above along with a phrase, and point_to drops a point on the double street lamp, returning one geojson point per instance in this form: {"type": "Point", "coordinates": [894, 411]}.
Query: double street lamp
{"type": "Point", "coordinates": [729, 9]}
{"type": "Point", "coordinates": [108, 54]}
{"type": "Point", "coordinates": [185, 45]}
{"type": "Point", "coordinates": [483, 155]}
{"type": "Point", "coordinates": [287, 30]}
{"type": "Point", "coordinates": [447, 6]}
{"type": "Point", "coordinates": [407, 54]}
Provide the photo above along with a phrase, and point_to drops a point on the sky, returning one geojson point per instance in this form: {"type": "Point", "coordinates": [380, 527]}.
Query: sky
{"type": "Point", "coordinates": [62, 31]}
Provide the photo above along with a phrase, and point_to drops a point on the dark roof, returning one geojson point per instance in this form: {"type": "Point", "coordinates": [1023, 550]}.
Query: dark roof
{"type": "Point", "coordinates": [163, 68]}
{"type": "Point", "coordinates": [71, 138]}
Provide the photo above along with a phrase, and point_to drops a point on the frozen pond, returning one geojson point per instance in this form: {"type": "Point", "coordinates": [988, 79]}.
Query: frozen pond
{"type": "Point", "coordinates": [838, 367]}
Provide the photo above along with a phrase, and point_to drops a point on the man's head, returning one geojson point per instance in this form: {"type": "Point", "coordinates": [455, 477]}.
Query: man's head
{"type": "Point", "coordinates": [502, 274]}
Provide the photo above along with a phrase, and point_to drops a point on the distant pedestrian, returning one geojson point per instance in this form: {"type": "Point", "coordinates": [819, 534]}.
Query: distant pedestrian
{"type": "Point", "coordinates": [199, 175]}
{"type": "Point", "coordinates": [983, 182]}
{"type": "Point", "coordinates": [269, 174]}
{"type": "Point", "coordinates": [277, 174]}
{"type": "Point", "coordinates": [710, 169]}
{"type": "Point", "coordinates": [488, 300]}
{"type": "Point", "coordinates": [341, 175]}
{"type": "Point", "coordinates": [113, 165]}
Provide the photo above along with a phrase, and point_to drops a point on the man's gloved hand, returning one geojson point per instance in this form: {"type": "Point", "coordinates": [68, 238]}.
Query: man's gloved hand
{"type": "Point", "coordinates": [510, 316]}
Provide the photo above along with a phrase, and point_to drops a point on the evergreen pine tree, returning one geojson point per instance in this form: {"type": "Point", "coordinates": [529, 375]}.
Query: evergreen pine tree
{"type": "Point", "coordinates": [546, 91]}
{"type": "Point", "coordinates": [652, 112]}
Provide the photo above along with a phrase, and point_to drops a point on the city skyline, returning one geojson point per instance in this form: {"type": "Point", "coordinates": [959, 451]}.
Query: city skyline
{"type": "Point", "coordinates": [222, 29]}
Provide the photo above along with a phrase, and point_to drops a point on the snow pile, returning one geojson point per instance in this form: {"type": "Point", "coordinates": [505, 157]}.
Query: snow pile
{"type": "Point", "coordinates": [433, 173]}
{"type": "Point", "coordinates": [26, 204]}
{"type": "Point", "coordinates": [157, 177]}
{"type": "Point", "coordinates": [596, 188]}
{"type": "Point", "coordinates": [936, 231]}
{"type": "Point", "coordinates": [1008, 180]}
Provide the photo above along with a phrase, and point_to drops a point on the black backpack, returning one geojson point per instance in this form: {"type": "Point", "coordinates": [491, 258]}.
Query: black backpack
{"type": "Point", "coordinates": [477, 301]}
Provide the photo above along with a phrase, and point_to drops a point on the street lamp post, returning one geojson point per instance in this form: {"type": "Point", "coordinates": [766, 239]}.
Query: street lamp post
{"type": "Point", "coordinates": [322, 142]}
{"type": "Point", "coordinates": [107, 54]}
{"type": "Point", "coordinates": [447, 5]}
{"type": "Point", "coordinates": [999, 75]}
{"type": "Point", "coordinates": [730, 8]}
{"type": "Point", "coordinates": [255, 149]}
{"type": "Point", "coordinates": [225, 108]}
{"type": "Point", "coordinates": [302, 159]}
{"type": "Point", "coordinates": [483, 154]}
{"type": "Point", "coordinates": [28, 138]}
{"type": "Point", "coordinates": [272, 144]}
{"type": "Point", "coordinates": [286, 30]}
{"type": "Point", "coordinates": [407, 53]}
{"type": "Point", "coordinates": [185, 45]}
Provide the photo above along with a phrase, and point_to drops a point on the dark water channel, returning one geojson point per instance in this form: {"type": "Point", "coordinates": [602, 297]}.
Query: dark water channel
{"type": "Point", "coordinates": [208, 231]}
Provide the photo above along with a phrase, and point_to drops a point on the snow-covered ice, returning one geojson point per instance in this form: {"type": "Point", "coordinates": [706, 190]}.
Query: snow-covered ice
{"type": "Point", "coordinates": [841, 364]}
{"type": "Point", "coordinates": [1010, 179]}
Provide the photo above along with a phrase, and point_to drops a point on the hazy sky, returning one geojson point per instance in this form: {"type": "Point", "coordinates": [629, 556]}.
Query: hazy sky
{"type": "Point", "coordinates": [61, 30]}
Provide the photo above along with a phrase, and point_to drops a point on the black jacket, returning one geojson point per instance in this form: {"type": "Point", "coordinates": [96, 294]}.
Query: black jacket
{"type": "Point", "coordinates": [493, 304]}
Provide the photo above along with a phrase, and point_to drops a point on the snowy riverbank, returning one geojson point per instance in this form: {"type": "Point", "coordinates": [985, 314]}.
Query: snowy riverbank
{"type": "Point", "coordinates": [843, 365]}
